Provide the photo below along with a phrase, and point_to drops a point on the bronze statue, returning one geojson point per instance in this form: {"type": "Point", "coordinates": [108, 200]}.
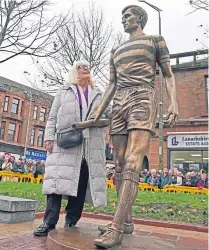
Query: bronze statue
{"type": "Point", "coordinates": [131, 86]}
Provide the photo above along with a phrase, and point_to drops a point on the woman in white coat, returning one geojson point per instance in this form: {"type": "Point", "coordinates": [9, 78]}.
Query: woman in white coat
{"type": "Point", "coordinates": [77, 172]}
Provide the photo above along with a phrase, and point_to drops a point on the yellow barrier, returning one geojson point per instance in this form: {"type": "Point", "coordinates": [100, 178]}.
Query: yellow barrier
{"type": "Point", "coordinates": [12, 176]}
{"type": "Point", "coordinates": [170, 188]}
{"type": "Point", "coordinates": [110, 184]}
{"type": "Point", "coordinates": [184, 189]}
{"type": "Point", "coordinates": [147, 187]}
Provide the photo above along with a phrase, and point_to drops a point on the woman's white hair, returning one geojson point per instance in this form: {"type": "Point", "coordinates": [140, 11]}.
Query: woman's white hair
{"type": "Point", "coordinates": [73, 74]}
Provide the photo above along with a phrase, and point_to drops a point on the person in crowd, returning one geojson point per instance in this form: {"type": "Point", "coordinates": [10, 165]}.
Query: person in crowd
{"type": "Point", "coordinates": [142, 176]}
{"type": "Point", "coordinates": [7, 166]}
{"type": "Point", "coordinates": [113, 178]}
{"type": "Point", "coordinates": [18, 167]}
{"type": "Point", "coordinates": [188, 179]}
{"type": "Point", "coordinates": [153, 180]}
{"type": "Point", "coordinates": [202, 182]}
{"type": "Point", "coordinates": [108, 173]}
{"type": "Point", "coordinates": [160, 171]}
{"type": "Point", "coordinates": [194, 179]}
{"type": "Point", "coordinates": [2, 158]}
{"type": "Point", "coordinates": [23, 161]}
{"type": "Point", "coordinates": [141, 180]}
{"type": "Point", "coordinates": [12, 160]}
{"type": "Point", "coordinates": [165, 178]}
{"type": "Point", "coordinates": [68, 170]}
{"type": "Point", "coordinates": [170, 173]}
{"type": "Point", "coordinates": [174, 177]}
{"type": "Point", "coordinates": [183, 179]}
{"type": "Point", "coordinates": [28, 166]}
{"type": "Point", "coordinates": [159, 177]}
{"type": "Point", "coordinates": [202, 171]}
{"type": "Point", "coordinates": [179, 180]}
{"type": "Point", "coordinates": [39, 168]}
{"type": "Point", "coordinates": [146, 171]}
{"type": "Point", "coordinates": [146, 175]}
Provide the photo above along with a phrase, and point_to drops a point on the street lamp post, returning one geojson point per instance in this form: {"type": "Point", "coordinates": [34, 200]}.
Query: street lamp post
{"type": "Point", "coordinates": [28, 123]}
{"type": "Point", "coordinates": [160, 157]}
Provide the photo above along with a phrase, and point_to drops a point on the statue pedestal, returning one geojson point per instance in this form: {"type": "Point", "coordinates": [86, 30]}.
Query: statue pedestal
{"type": "Point", "coordinates": [83, 239]}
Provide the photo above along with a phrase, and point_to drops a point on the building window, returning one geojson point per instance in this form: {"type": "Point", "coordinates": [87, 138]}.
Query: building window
{"type": "Point", "coordinates": [35, 113]}
{"type": "Point", "coordinates": [15, 105]}
{"type": "Point", "coordinates": [40, 138]}
{"type": "Point", "coordinates": [32, 136]}
{"type": "Point", "coordinates": [2, 132]}
{"type": "Point", "coordinates": [186, 161]}
{"type": "Point", "coordinates": [11, 131]}
{"type": "Point", "coordinates": [43, 114]}
{"type": "Point", "coordinates": [207, 92]}
{"type": "Point", "coordinates": [6, 103]}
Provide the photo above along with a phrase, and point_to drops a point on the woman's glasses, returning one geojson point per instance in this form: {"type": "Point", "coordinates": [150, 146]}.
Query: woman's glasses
{"type": "Point", "coordinates": [83, 67]}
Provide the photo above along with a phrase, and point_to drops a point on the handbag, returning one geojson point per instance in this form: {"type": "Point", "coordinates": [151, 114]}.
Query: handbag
{"type": "Point", "coordinates": [71, 137]}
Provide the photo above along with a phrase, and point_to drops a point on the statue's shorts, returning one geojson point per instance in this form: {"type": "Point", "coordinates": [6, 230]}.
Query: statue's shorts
{"type": "Point", "coordinates": [133, 108]}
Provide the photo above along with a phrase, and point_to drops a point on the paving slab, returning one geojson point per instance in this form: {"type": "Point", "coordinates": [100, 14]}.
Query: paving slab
{"type": "Point", "coordinates": [16, 217]}
{"type": "Point", "coordinates": [14, 204]}
{"type": "Point", "coordinates": [16, 210]}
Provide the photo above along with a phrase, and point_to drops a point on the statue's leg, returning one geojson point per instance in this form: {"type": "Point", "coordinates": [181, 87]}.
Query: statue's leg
{"type": "Point", "coordinates": [120, 145]}
{"type": "Point", "coordinates": [138, 143]}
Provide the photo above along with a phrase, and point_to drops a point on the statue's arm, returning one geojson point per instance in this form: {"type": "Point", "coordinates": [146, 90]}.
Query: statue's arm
{"type": "Point", "coordinates": [163, 60]}
{"type": "Point", "coordinates": [170, 86]}
{"type": "Point", "coordinates": [108, 95]}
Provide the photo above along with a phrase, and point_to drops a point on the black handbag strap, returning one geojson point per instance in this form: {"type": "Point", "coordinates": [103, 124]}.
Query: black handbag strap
{"type": "Point", "coordinates": [90, 107]}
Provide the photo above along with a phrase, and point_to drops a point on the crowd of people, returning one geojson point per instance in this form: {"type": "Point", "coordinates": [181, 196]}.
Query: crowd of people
{"type": "Point", "coordinates": [21, 165]}
{"type": "Point", "coordinates": [160, 178]}
{"type": "Point", "coordinates": [165, 177]}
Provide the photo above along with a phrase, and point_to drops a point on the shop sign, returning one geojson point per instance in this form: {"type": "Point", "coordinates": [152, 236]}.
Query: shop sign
{"type": "Point", "coordinates": [188, 141]}
{"type": "Point", "coordinates": [35, 155]}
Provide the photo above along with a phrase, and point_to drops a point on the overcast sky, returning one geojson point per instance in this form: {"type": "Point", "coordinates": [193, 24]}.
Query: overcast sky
{"type": "Point", "coordinates": [179, 29]}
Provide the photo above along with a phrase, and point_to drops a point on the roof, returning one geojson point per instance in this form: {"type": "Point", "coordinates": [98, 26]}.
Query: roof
{"type": "Point", "coordinates": [5, 82]}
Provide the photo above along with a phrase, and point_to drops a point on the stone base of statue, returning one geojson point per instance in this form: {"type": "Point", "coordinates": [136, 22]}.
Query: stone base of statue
{"type": "Point", "coordinates": [78, 238]}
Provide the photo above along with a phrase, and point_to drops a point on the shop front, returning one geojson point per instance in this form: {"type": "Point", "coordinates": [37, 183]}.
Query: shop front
{"type": "Point", "coordinates": [188, 152]}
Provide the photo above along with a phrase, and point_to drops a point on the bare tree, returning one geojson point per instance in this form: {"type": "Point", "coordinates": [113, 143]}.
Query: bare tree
{"type": "Point", "coordinates": [199, 5]}
{"type": "Point", "coordinates": [25, 30]}
{"type": "Point", "coordinates": [205, 33]}
{"type": "Point", "coordinates": [86, 37]}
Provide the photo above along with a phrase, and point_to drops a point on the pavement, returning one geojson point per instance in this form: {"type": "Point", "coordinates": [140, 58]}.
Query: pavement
{"type": "Point", "coordinates": [20, 237]}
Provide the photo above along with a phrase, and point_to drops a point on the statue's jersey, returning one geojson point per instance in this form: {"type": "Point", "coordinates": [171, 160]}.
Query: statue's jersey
{"type": "Point", "coordinates": [135, 60]}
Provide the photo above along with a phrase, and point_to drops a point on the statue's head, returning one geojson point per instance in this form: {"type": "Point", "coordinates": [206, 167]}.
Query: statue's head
{"type": "Point", "coordinates": [133, 17]}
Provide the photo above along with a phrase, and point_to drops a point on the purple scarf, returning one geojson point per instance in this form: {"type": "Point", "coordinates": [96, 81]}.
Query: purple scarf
{"type": "Point", "coordinates": [80, 100]}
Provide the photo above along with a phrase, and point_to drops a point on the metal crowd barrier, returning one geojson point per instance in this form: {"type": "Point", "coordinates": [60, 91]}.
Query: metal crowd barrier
{"type": "Point", "coordinates": [20, 177]}
{"type": "Point", "coordinates": [12, 176]}
{"type": "Point", "coordinates": [184, 189]}
{"type": "Point", "coordinates": [169, 189]}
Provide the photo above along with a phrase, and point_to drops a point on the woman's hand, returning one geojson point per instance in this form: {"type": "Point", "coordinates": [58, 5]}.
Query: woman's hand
{"type": "Point", "coordinates": [49, 146]}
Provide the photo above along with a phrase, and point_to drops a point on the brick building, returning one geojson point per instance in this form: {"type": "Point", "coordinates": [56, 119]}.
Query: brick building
{"type": "Point", "coordinates": [186, 145]}
{"type": "Point", "coordinates": [24, 111]}
{"type": "Point", "coordinates": [23, 115]}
